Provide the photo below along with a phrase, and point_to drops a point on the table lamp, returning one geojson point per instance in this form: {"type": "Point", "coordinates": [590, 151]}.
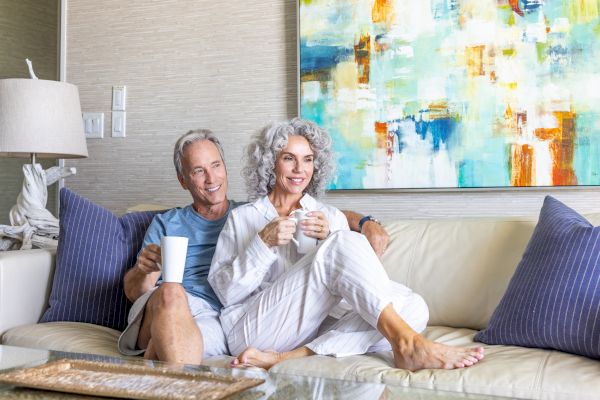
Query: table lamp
{"type": "Point", "coordinates": [38, 119]}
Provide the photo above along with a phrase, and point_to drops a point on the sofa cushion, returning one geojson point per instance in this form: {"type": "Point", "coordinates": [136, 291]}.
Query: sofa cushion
{"type": "Point", "coordinates": [509, 371]}
{"type": "Point", "coordinates": [553, 299]}
{"type": "Point", "coordinates": [95, 248]}
{"type": "Point", "coordinates": [74, 337]}
{"type": "Point", "coordinates": [78, 337]}
{"type": "Point", "coordinates": [459, 256]}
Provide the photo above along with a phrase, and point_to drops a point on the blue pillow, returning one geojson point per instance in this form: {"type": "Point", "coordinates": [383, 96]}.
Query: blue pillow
{"type": "Point", "coordinates": [95, 249]}
{"type": "Point", "coordinates": [553, 299]}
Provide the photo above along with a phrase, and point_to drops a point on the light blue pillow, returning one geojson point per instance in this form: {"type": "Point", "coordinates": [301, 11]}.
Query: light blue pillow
{"type": "Point", "coordinates": [553, 299]}
{"type": "Point", "coordinates": [95, 249]}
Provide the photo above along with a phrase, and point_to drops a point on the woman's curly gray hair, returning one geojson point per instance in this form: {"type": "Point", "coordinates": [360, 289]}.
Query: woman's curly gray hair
{"type": "Point", "coordinates": [267, 143]}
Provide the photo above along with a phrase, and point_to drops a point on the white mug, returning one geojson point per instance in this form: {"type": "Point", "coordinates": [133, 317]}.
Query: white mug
{"type": "Point", "coordinates": [302, 242]}
{"type": "Point", "coordinates": [173, 250]}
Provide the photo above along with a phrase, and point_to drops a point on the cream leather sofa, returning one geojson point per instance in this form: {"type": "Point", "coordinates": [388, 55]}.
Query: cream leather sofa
{"type": "Point", "coordinates": [461, 267]}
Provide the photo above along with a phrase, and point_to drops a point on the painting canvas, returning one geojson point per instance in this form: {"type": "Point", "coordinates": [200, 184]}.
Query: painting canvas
{"type": "Point", "coordinates": [454, 93]}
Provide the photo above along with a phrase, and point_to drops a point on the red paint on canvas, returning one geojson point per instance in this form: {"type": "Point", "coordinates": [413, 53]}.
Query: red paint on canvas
{"type": "Point", "coordinates": [562, 147]}
{"type": "Point", "coordinates": [523, 166]}
{"type": "Point", "coordinates": [381, 132]}
{"type": "Point", "coordinates": [514, 4]}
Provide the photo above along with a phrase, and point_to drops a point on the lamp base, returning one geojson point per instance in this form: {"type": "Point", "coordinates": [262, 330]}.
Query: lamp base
{"type": "Point", "coordinates": [31, 223]}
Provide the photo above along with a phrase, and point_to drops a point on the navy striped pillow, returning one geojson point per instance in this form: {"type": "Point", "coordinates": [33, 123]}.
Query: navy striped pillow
{"type": "Point", "coordinates": [553, 299]}
{"type": "Point", "coordinates": [95, 249]}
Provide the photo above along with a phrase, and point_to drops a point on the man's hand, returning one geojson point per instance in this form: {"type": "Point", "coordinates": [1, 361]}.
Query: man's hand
{"type": "Point", "coordinates": [316, 226]}
{"type": "Point", "coordinates": [144, 274]}
{"type": "Point", "coordinates": [375, 234]}
{"type": "Point", "coordinates": [377, 237]}
{"type": "Point", "coordinates": [278, 232]}
{"type": "Point", "coordinates": [149, 259]}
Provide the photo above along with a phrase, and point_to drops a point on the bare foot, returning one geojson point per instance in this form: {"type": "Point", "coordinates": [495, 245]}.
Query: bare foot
{"type": "Point", "coordinates": [257, 358]}
{"type": "Point", "coordinates": [424, 354]}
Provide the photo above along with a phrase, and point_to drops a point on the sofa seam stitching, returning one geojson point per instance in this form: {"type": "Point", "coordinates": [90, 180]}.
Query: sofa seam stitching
{"type": "Point", "coordinates": [540, 375]}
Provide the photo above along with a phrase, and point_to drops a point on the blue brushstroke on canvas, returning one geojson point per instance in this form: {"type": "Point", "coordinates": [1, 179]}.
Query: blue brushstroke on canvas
{"type": "Point", "coordinates": [320, 57]}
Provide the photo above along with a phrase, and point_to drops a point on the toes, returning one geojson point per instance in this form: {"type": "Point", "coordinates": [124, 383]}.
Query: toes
{"type": "Point", "coordinates": [453, 365]}
{"type": "Point", "coordinates": [477, 352]}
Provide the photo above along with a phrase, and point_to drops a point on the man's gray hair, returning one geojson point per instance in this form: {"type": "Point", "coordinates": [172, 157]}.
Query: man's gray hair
{"type": "Point", "coordinates": [267, 143]}
{"type": "Point", "coordinates": [189, 138]}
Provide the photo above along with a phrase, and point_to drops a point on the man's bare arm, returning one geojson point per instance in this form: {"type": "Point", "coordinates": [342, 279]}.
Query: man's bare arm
{"type": "Point", "coordinates": [375, 233]}
{"type": "Point", "coordinates": [144, 274]}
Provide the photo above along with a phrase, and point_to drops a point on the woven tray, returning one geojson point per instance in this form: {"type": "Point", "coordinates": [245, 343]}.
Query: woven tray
{"type": "Point", "coordinates": [126, 381]}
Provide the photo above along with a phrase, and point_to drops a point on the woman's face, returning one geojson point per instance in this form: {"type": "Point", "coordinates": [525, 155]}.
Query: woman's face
{"type": "Point", "coordinates": [294, 166]}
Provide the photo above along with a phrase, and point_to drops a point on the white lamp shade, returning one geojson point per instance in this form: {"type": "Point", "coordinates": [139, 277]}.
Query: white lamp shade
{"type": "Point", "coordinates": [42, 117]}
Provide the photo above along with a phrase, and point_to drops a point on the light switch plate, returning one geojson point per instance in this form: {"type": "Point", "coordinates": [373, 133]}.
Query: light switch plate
{"type": "Point", "coordinates": [93, 125]}
{"type": "Point", "coordinates": [119, 123]}
{"type": "Point", "coordinates": [119, 98]}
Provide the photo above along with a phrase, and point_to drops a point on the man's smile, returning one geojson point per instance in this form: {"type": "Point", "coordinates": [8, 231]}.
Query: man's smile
{"type": "Point", "coordinates": [213, 189]}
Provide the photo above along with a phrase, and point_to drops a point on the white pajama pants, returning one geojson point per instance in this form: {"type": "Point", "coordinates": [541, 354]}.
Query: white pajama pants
{"type": "Point", "coordinates": [293, 311]}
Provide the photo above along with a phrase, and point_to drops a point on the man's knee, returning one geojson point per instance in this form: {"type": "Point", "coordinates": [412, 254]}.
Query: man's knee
{"type": "Point", "coordinates": [169, 296]}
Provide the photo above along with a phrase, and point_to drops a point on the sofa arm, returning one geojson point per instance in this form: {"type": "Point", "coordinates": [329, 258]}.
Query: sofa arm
{"type": "Point", "coordinates": [25, 284]}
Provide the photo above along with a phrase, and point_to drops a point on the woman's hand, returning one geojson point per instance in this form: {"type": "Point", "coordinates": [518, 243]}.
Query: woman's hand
{"type": "Point", "coordinates": [278, 232]}
{"type": "Point", "coordinates": [149, 259]}
{"type": "Point", "coordinates": [316, 226]}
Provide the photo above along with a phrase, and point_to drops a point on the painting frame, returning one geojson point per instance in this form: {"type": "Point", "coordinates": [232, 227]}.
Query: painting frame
{"type": "Point", "coordinates": [425, 188]}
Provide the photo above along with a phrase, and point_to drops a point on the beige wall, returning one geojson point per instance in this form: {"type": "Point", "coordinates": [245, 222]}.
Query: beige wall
{"type": "Point", "coordinates": [229, 66]}
{"type": "Point", "coordinates": [28, 29]}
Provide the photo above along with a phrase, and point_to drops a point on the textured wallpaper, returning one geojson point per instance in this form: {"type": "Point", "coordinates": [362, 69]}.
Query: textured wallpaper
{"type": "Point", "coordinates": [228, 66]}
{"type": "Point", "coordinates": [28, 29]}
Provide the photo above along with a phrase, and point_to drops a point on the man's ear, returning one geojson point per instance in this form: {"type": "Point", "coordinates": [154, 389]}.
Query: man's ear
{"type": "Point", "coordinates": [182, 182]}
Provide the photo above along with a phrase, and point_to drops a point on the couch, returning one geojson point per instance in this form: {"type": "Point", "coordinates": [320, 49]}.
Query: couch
{"type": "Point", "coordinates": [461, 267]}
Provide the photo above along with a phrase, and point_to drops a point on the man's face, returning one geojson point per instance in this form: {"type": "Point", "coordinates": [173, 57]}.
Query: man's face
{"type": "Point", "coordinates": [204, 174]}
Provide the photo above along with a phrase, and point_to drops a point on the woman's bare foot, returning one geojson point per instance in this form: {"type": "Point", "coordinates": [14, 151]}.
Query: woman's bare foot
{"type": "Point", "coordinates": [413, 352]}
{"type": "Point", "coordinates": [420, 353]}
{"type": "Point", "coordinates": [257, 358]}
{"type": "Point", "coordinates": [266, 359]}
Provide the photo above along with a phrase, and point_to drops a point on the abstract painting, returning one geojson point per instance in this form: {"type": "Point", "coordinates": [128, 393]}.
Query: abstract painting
{"type": "Point", "coordinates": [454, 93]}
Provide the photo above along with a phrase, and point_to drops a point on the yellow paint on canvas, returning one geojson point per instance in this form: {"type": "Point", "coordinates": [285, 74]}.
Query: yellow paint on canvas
{"type": "Point", "coordinates": [474, 60]}
{"type": "Point", "coordinates": [583, 11]}
{"type": "Point", "coordinates": [383, 12]}
{"type": "Point", "coordinates": [351, 126]}
{"type": "Point", "coordinates": [483, 10]}
{"type": "Point", "coordinates": [509, 85]}
{"type": "Point", "coordinates": [345, 76]}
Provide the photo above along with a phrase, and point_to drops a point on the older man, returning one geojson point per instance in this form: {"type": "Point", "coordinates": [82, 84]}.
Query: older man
{"type": "Point", "coordinates": [176, 322]}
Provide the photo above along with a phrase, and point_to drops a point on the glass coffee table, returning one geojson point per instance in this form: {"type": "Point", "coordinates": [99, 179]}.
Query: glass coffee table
{"type": "Point", "coordinates": [276, 385]}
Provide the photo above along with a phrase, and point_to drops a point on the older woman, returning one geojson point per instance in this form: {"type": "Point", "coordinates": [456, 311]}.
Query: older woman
{"type": "Point", "coordinates": [275, 298]}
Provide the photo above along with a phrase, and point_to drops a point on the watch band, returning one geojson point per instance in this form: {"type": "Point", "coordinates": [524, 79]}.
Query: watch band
{"type": "Point", "coordinates": [365, 219]}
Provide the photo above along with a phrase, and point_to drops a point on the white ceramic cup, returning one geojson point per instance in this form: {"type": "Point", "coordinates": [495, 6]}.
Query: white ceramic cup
{"type": "Point", "coordinates": [173, 250]}
{"type": "Point", "coordinates": [302, 242]}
